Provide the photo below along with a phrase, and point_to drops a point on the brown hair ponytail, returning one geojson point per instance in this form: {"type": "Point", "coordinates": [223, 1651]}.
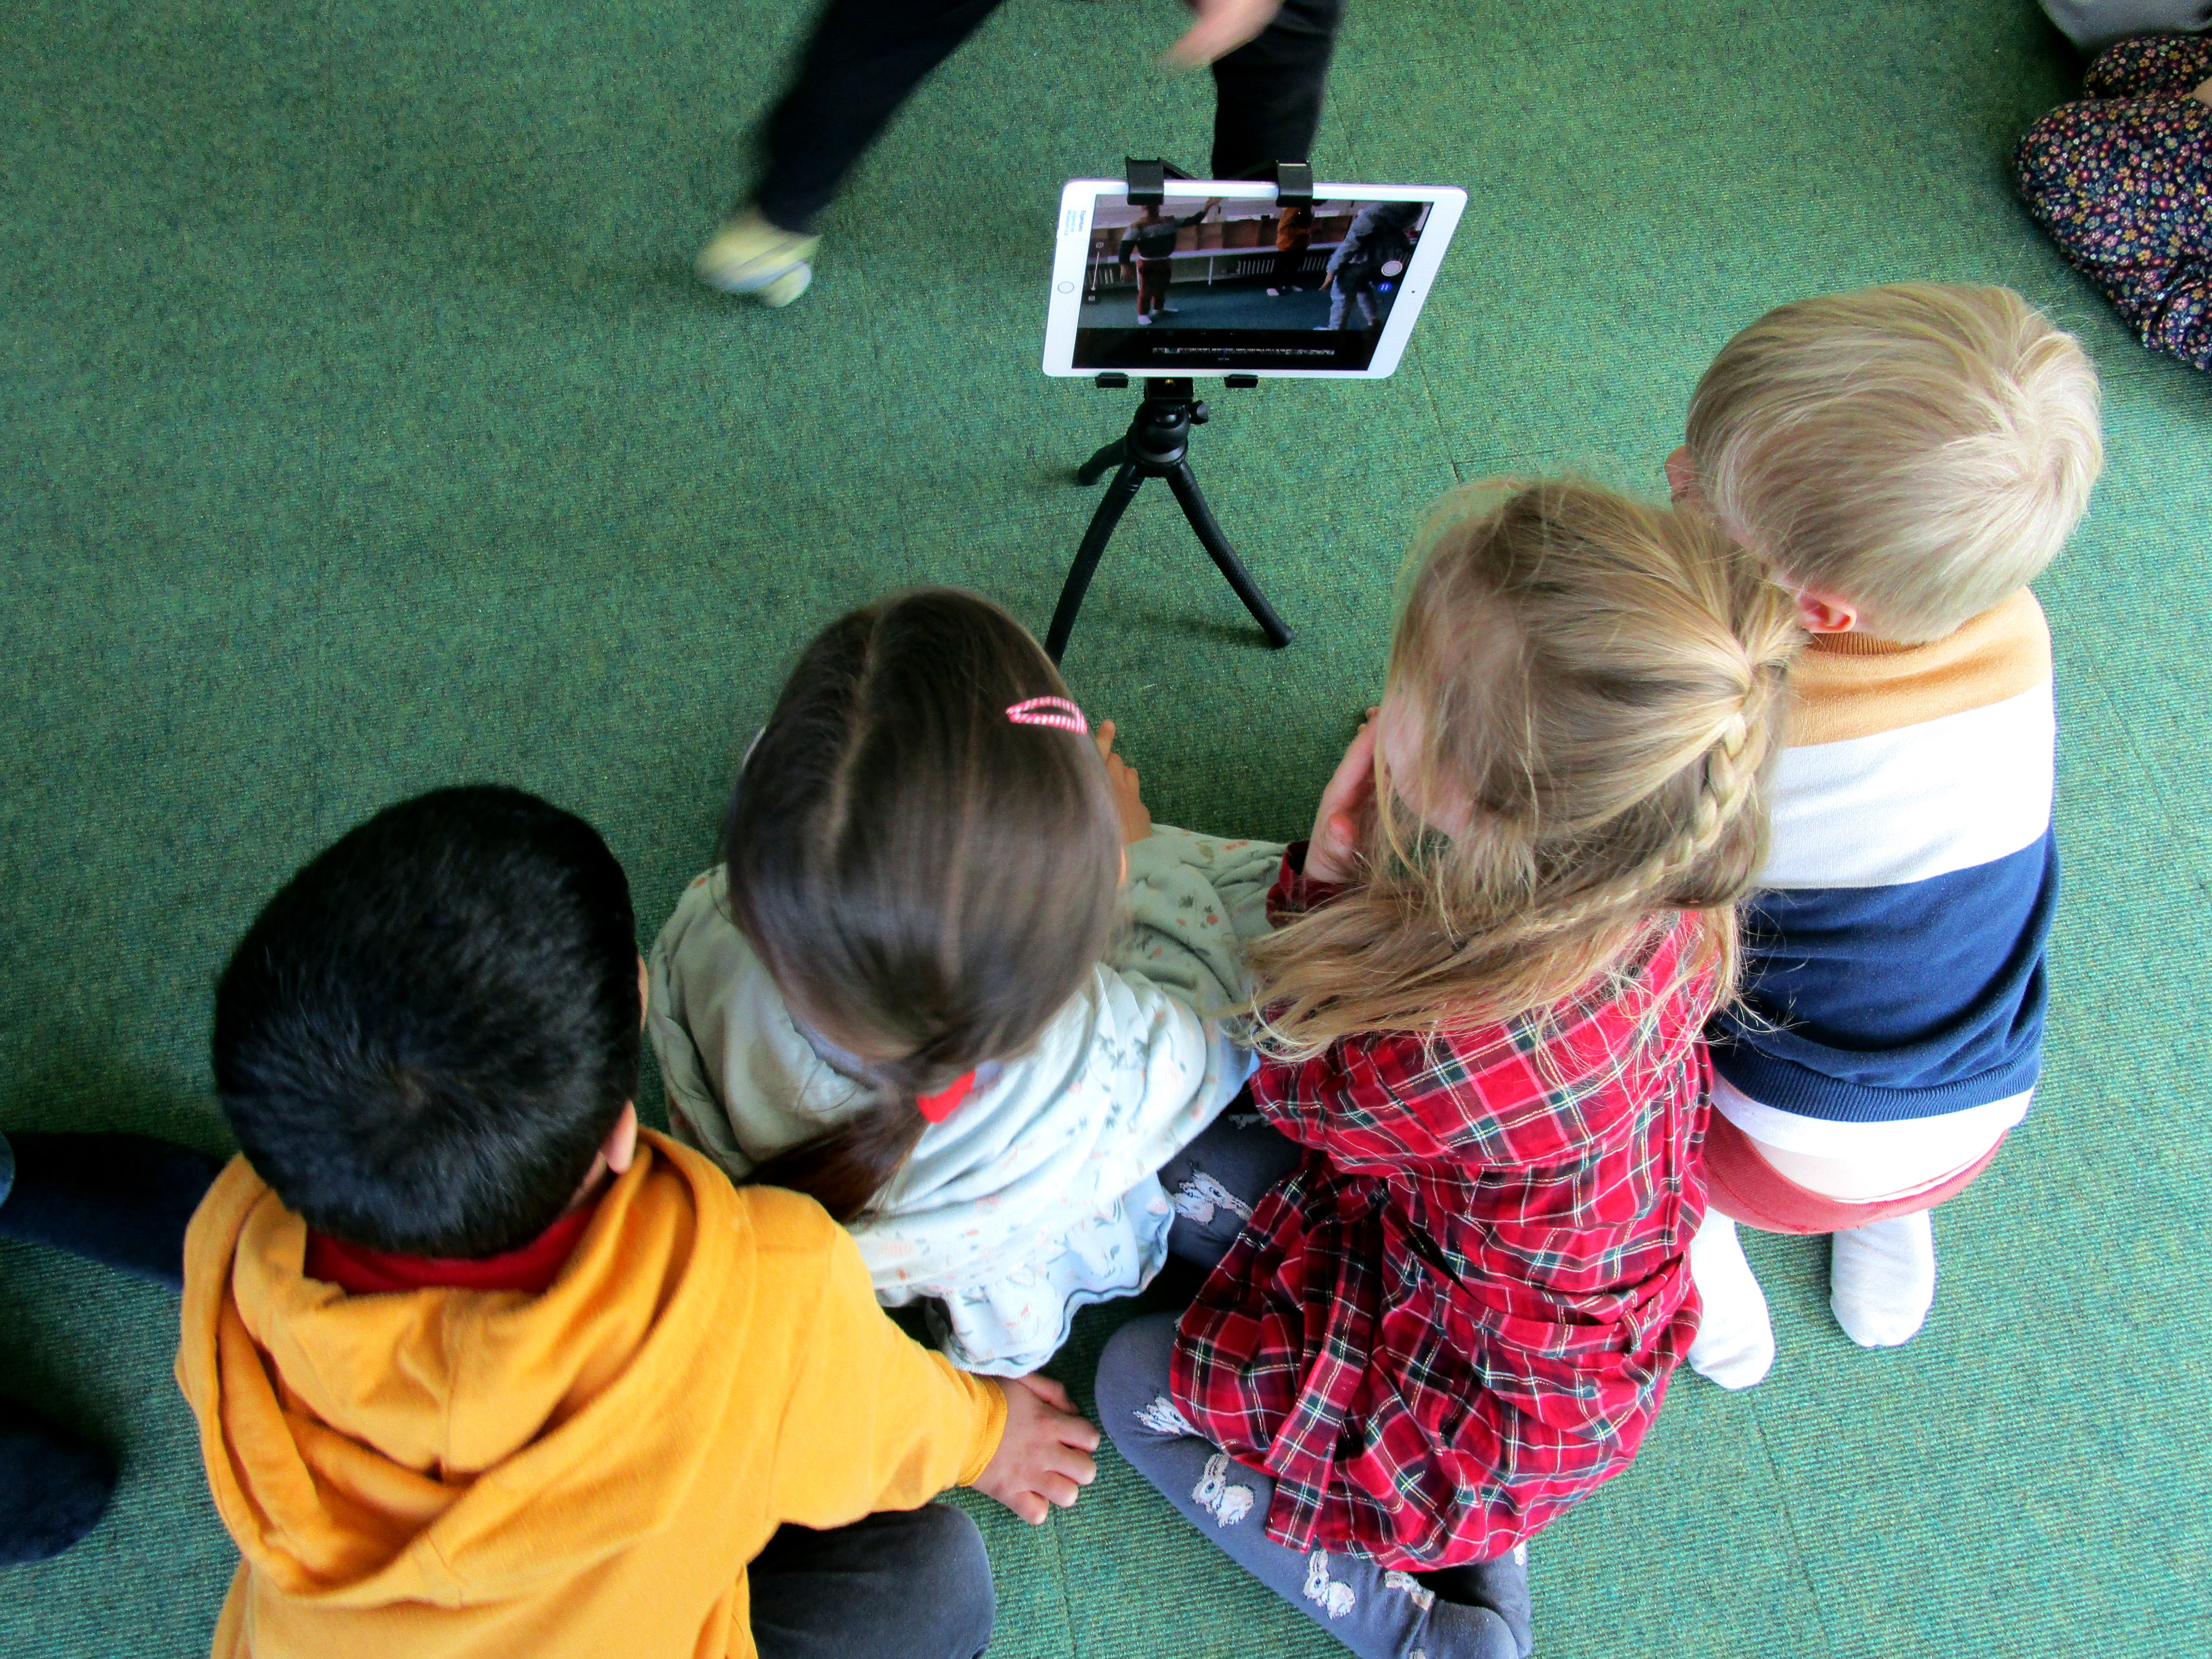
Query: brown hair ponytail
{"type": "Point", "coordinates": [927, 881]}
{"type": "Point", "coordinates": [844, 1168]}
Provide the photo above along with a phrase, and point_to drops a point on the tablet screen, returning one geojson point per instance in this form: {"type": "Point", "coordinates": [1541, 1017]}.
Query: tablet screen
{"type": "Point", "coordinates": [1230, 283]}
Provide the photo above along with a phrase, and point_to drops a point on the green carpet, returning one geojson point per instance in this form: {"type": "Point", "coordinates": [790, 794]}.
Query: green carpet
{"type": "Point", "coordinates": [363, 431]}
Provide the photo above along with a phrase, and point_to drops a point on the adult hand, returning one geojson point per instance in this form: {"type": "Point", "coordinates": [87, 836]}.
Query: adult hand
{"type": "Point", "coordinates": [1045, 1457]}
{"type": "Point", "coordinates": [1334, 850]}
{"type": "Point", "coordinates": [1128, 799]}
{"type": "Point", "coordinates": [1222, 27]}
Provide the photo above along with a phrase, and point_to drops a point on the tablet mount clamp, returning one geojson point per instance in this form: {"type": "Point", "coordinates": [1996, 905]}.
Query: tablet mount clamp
{"type": "Point", "coordinates": [1157, 445]}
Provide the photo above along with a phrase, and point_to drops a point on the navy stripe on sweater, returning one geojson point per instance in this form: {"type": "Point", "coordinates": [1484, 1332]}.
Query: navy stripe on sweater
{"type": "Point", "coordinates": [1929, 994]}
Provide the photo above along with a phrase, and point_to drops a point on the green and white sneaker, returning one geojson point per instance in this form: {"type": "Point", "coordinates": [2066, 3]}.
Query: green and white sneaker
{"type": "Point", "coordinates": [751, 257]}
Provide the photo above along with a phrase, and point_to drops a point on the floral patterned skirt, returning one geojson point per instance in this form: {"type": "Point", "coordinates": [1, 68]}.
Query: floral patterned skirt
{"type": "Point", "coordinates": [2123, 182]}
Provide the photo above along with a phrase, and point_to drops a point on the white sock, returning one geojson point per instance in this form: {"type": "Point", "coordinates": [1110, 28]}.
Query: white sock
{"type": "Point", "coordinates": [1735, 1339]}
{"type": "Point", "coordinates": [1881, 1280]}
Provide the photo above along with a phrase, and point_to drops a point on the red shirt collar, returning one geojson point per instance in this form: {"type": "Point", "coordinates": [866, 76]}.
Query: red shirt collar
{"type": "Point", "coordinates": [359, 1271]}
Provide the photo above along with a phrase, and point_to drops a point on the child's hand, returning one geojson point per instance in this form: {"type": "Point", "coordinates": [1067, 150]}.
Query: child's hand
{"type": "Point", "coordinates": [1136, 817]}
{"type": "Point", "coordinates": [1333, 849]}
{"type": "Point", "coordinates": [1045, 1453]}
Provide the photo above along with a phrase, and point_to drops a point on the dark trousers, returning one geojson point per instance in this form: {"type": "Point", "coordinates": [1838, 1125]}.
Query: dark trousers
{"type": "Point", "coordinates": [867, 56]}
{"type": "Point", "coordinates": [1152, 284]}
{"type": "Point", "coordinates": [123, 1199]}
{"type": "Point", "coordinates": [904, 1584]}
{"type": "Point", "coordinates": [1285, 270]}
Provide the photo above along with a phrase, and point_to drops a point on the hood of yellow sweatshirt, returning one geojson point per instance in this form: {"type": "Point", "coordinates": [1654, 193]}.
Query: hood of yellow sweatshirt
{"type": "Point", "coordinates": [451, 1446]}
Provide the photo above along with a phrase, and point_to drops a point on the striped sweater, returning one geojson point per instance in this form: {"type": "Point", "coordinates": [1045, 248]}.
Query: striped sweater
{"type": "Point", "coordinates": [1893, 957]}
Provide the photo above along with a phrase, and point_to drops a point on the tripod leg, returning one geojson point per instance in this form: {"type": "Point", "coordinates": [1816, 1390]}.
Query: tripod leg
{"type": "Point", "coordinates": [1194, 509]}
{"type": "Point", "coordinates": [1111, 506]}
{"type": "Point", "coordinates": [1096, 468]}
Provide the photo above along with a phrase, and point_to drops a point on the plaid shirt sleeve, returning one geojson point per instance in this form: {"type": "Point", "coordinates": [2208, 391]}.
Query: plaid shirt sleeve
{"type": "Point", "coordinates": [1376, 1104]}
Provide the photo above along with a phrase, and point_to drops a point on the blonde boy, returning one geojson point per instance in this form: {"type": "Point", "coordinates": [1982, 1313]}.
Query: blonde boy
{"type": "Point", "coordinates": [1907, 459]}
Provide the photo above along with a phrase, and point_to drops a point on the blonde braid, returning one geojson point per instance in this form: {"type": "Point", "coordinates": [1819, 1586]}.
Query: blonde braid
{"type": "Point", "coordinates": [1731, 768]}
{"type": "Point", "coordinates": [1727, 781]}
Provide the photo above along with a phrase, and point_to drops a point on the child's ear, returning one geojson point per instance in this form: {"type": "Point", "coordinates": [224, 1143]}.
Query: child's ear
{"type": "Point", "coordinates": [1824, 613]}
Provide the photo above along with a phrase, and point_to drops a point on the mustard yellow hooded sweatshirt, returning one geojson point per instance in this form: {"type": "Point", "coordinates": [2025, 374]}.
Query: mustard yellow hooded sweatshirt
{"type": "Point", "coordinates": [459, 1474]}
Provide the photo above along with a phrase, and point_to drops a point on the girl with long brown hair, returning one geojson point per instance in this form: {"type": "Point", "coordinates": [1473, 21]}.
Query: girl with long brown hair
{"type": "Point", "coordinates": [1456, 1310]}
{"type": "Point", "coordinates": [917, 988]}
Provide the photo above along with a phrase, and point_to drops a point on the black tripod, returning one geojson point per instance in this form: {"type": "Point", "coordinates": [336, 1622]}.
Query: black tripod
{"type": "Point", "coordinates": [1154, 446]}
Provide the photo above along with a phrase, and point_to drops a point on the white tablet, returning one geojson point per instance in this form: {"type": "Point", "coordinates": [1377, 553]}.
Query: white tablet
{"type": "Point", "coordinates": [1218, 279]}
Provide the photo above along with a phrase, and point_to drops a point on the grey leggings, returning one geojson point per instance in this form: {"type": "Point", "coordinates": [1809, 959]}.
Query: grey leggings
{"type": "Point", "coordinates": [1378, 1615]}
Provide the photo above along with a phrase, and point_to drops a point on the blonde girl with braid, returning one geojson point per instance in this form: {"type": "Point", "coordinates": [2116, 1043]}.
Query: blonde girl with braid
{"type": "Point", "coordinates": [1446, 1304]}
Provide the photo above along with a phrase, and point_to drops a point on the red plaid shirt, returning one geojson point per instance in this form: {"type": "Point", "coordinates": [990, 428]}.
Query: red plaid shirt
{"type": "Point", "coordinates": [1458, 1313]}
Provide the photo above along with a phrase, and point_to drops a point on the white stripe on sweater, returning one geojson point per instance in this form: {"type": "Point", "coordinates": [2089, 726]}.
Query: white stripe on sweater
{"type": "Point", "coordinates": [1921, 801]}
{"type": "Point", "coordinates": [1906, 1150]}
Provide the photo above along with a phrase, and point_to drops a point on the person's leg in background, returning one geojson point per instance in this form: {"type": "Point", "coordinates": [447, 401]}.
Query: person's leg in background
{"type": "Point", "coordinates": [1284, 272]}
{"type": "Point", "coordinates": [2093, 25]}
{"type": "Point", "coordinates": [2153, 65]}
{"type": "Point", "coordinates": [865, 56]}
{"type": "Point", "coordinates": [904, 1584]}
{"type": "Point", "coordinates": [121, 1199]}
{"type": "Point", "coordinates": [1378, 1613]}
{"type": "Point", "coordinates": [54, 1486]}
{"type": "Point", "coordinates": [2108, 179]}
{"type": "Point", "coordinates": [1152, 285]}
{"type": "Point", "coordinates": [1269, 93]}
{"type": "Point", "coordinates": [864, 59]}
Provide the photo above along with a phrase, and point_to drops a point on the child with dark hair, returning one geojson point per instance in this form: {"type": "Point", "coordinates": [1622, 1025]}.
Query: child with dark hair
{"type": "Point", "coordinates": [914, 989]}
{"type": "Point", "coordinates": [2122, 181]}
{"type": "Point", "coordinates": [482, 1368]}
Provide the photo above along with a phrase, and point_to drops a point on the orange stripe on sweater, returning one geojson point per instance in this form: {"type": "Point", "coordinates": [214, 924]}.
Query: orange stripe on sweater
{"type": "Point", "coordinates": [1847, 685]}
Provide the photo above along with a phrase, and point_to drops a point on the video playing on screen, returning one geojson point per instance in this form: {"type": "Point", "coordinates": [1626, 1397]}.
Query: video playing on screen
{"type": "Point", "coordinates": [1230, 284]}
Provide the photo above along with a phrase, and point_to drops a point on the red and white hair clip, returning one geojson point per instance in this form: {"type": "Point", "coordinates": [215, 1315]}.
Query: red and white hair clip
{"type": "Point", "coordinates": [1056, 712]}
